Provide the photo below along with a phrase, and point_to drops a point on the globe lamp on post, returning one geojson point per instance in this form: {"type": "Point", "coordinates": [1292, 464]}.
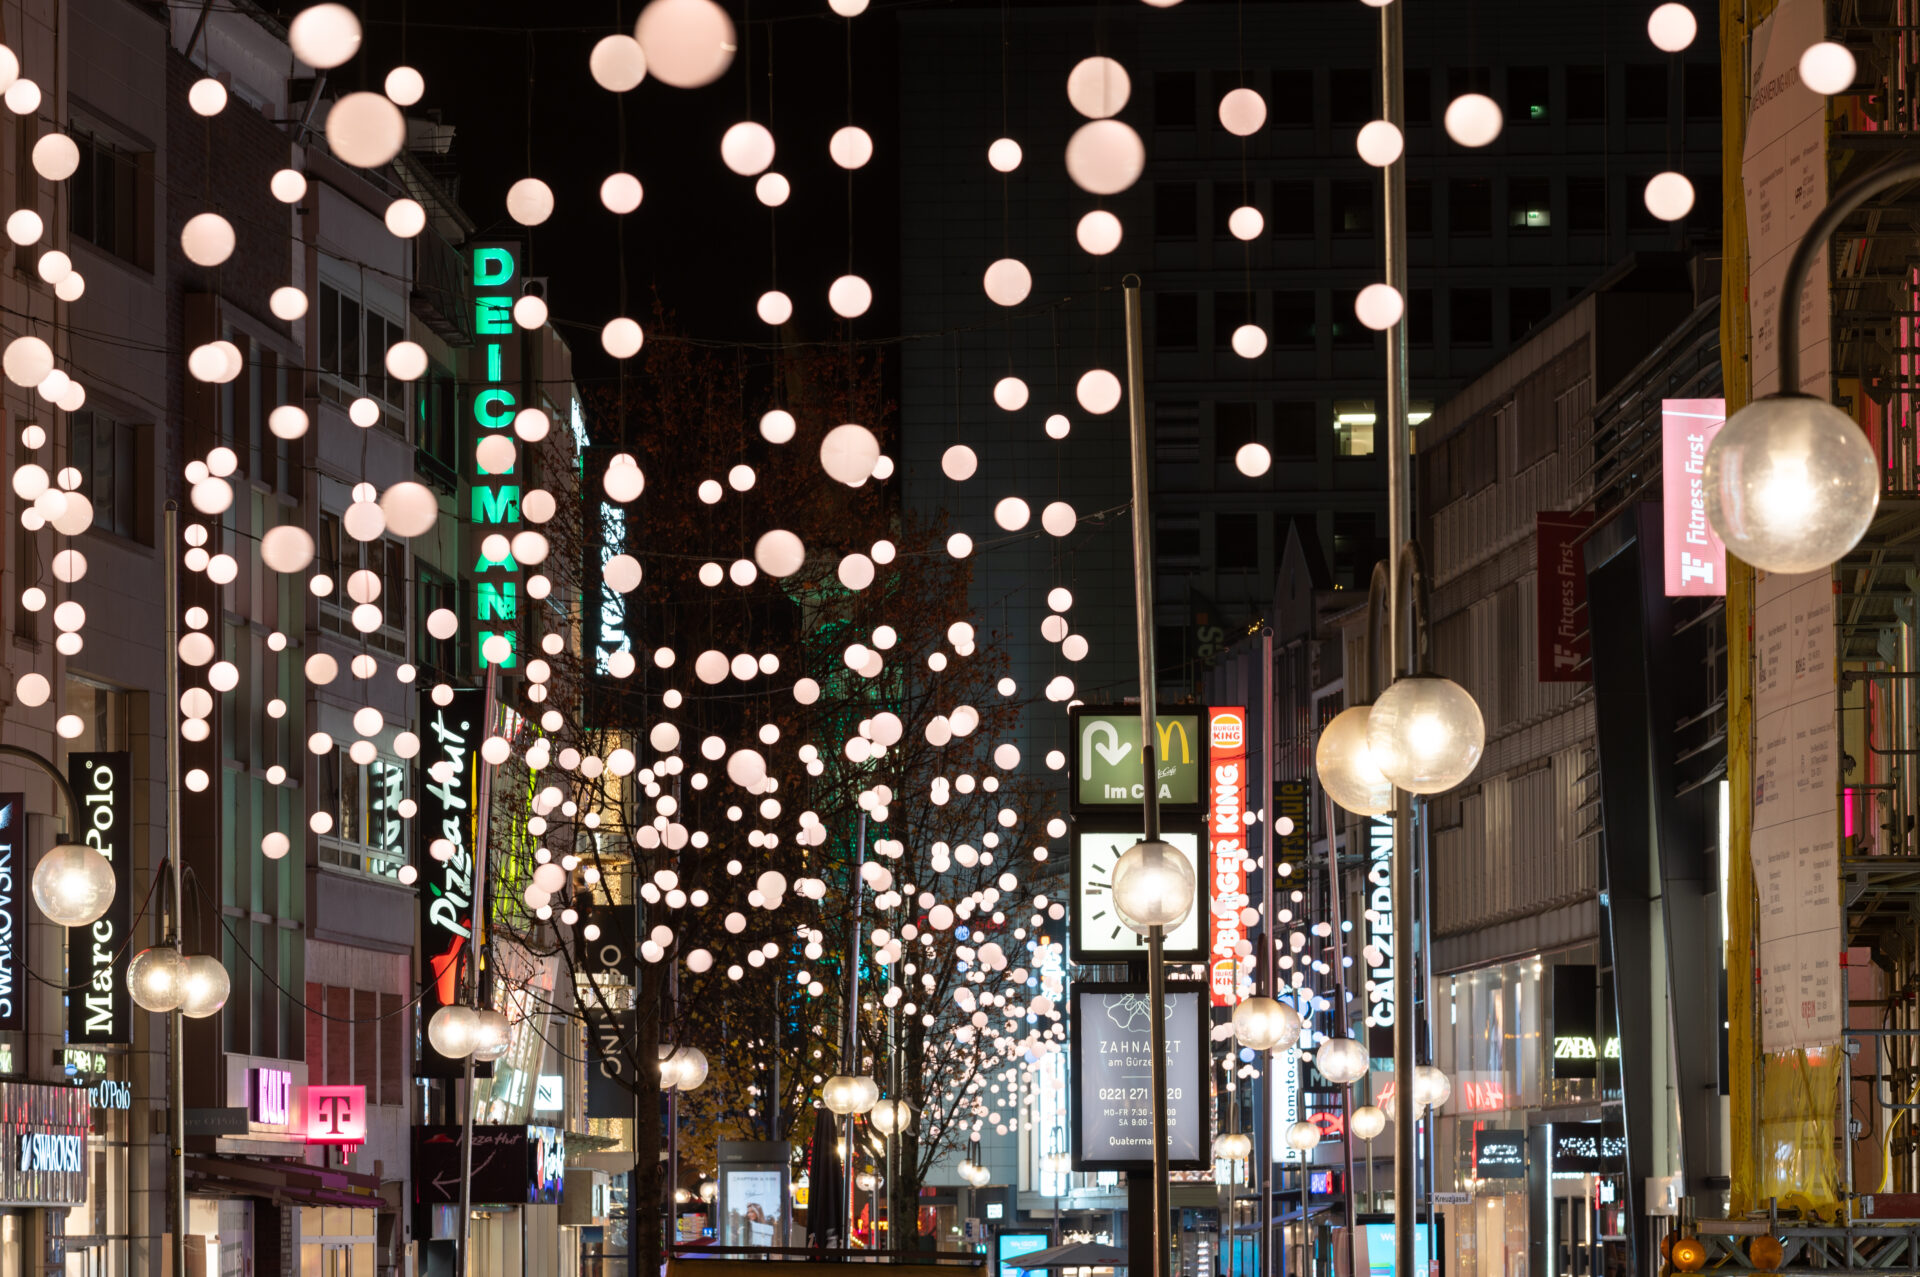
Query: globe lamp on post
{"type": "Point", "coordinates": [1342, 1061]}
{"type": "Point", "coordinates": [491, 1035]}
{"type": "Point", "coordinates": [204, 986]}
{"type": "Point", "coordinates": [1264, 1024]}
{"type": "Point", "coordinates": [1426, 734]}
{"type": "Point", "coordinates": [452, 1031]}
{"type": "Point", "coordinates": [156, 978]}
{"type": "Point", "coordinates": [73, 885]}
{"type": "Point", "coordinates": [1367, 1121]}
{"type": "Point", "coordinates": [1346, 767]}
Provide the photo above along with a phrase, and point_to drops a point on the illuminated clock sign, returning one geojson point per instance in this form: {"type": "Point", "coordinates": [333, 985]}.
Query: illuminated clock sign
{"type": "Point", "coordinates": [444, 831]}
{"type": "Point", "coordinates": [1096, 933]}
{"type": "Point", "coordinates": [493, 501]}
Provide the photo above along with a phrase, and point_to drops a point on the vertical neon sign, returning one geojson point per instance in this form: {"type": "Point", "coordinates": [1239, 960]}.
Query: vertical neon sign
{"type": "Point", "coordinates": [494, 503]}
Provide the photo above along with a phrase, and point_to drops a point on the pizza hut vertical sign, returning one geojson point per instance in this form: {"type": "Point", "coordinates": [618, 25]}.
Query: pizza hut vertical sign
{"type": "Point", "coordinates": [99, 1009]}
{"type": "Point", "coordinates": [444, 835]}
{"type": "Point", "coordinates": [1226, 844]}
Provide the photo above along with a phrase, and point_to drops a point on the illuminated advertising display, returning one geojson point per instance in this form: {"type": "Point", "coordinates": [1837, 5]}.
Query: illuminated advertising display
{"type": "Point", "coordinates": [1378, 953]}
{"type": "Point", "coordinates": [1696, 560]}
{"type": "Point", "coordinates": [1560, 599]}
{"type": "Point", "coordinates": [13, 1002]}
{"type": "Point", "coordinates": [336, 1115]}
{"type": "Point", "coordinates": [1226, 850]}
{"type": "Point", "coordinates": [1107, 754]}
{"type": "Point", "coordinates": [1112, 1114]}
{"type": "Point", "coordinates": [493, 500]}
{"type": "Point", "coordinates": [99, 1009]}
{"type": "Point", "coordinates": [447, 823]}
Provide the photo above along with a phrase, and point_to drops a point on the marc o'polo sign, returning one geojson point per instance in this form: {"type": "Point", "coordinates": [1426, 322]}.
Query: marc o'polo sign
{"type": "Point", "coordinates": [99, 1009]}
{"type": "Point", "coordinates": [1107, 759]}
{"type": "Point", "coordinates": [449, 905]}
{"type": "Point", "coordinates": [13, 1001]}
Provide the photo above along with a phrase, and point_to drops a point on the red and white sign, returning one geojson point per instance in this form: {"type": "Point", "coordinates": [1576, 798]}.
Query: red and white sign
{"type": "Point", "coordinates": [1227, 843]}
{"type": "Point", "coordinates": [1696, 561]}
{"type": "Point", "coordinates": [1560, 598]}
{"type": "Point", "coordinates": [336, 1115]}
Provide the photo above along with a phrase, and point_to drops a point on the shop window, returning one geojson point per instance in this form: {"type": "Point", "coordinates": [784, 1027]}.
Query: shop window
{"type": "Point", "coordinates": [1352, 206]}
{"type": "Point", "coordinates": [1290, 100]}
{"type": "Point", "coordinates": [1472, 316]}
{"type": "Point", "coordinates": [1234, 426]}
{"type": "Point", "coordinates": [1419, 95]}
{"type": "Point", "coordinates": [1529, 205]}
{"type": "Point", "coordinates": [1586, 204]}
{"type": "Point", "coordinates": [1586, 95]}
{"type": "Point", "coordinates": [1174, 94]}
{"type": "Point", "coordinates": [1236, 542]}
{"type": "Point", "coordinates": [1647, 91]}
{"type": "Point", "coordinates": [1175, 210]}
{"type": "Point", "coordinates": [1296, 432]}
{"type": "Point", "coordinates": [115, 461]}
{"type": "Point", "coordinates": [1230, 311]}
{"type": "Point", "coordinates": [1702, 90]}
{"type": "Point", "coordinates": [1176, 321]}
{"type": "Point", "coordinates": [354, 340]}
{"type": "Point", "coordinates": [368, 834]}
{"type": "Point", "coordinates": [110, 198]}
{"type": "Point", "coordinates": [1352, 94]}
{"type": "Point", "coordinates": [1293, 317]}
{"type": "Point", "coordinates": [1527, 95]}
{"type": "Point", "coordinates": [1469, 206]}
{"type": "Point", "coordinates": [1293, 208]}
{"type": "Point", "coordinates": [1526, 309]}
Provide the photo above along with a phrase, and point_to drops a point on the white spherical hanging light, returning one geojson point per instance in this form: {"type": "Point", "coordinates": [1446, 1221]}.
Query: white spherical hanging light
{"type": "Point", "coordinates": [848, 8]}
{"type": "Point", "coordinates": [204, 985]}
{"type": "Point", "coordinates": [1249, 341]}
{"type": "Point", "coordinates": [1098, 391]}
{"type": "Point", "coordinates": [851, 147]}
{"type": "Point", "coordinates": [622, 338]}
{"type": "Point", "coordinates": [365, 130]}
{"type": "Point", "coordinates": [772, 190]}
{"type": "Point", "coordinates": [1008, 282]}
{"type": "Point", "coordinates": [621, 193]}
{"type": "Point", "coordinates": [1380, 143]}
{"type": "Point", "coordinates": [1791, 483]}
{"type": "Point", "coordinates": [1010, 394]}
{"type": "Point", "coordinates": [1105, 157]}
{"type": "Point", "coordinates": [774, 308]}
{"type": "Point", "coordinates": [1672, 27]}
{"type": "Point", "coordinates": [959, 463]}
{"type": "Point", "coordinates": [404, 86]}
{"type": "Point", "coordinates": [1243, 112]}
{"type": "Point", "coordinates": [406, 218]}
{"type": "Point", "coordinates": [1012, 513]}
{"type": "Point", "coordinates": [1828, 68]}
{"type": "Point", "coordinates": [207, 96]}
{"type": "Point", "coordinates": [848, 454]}
{"type": "Point", "coordinates": [1058, 518]}
{"type": "Point", "coordinates": [1368, 1121]}
{"type": "Point", "coordinates": [1152, 886]}
{"type": "Point", "coordinates": [155, 978]}
{"type": "Point", "coordinates": [1265, 1025]}
{"type": "Point", "coordinates": [687, 43]}
{"type": "Point", "coordinates": [1346, 768]}
{"type": "Point", "coordinates": [747, 148]}
{"type": "Point", "coordinates": [56, 157]}
{"type": "Point", "coordinates": [1473, 119]}
{"type": "Point", "coordinates": [1379, 306]}
{"type": "Point", "coordinates": [1098, 87]}
{"type": "Point", "coordinates": [324, 36]}
{"type": "Point", "coordinates": [24, 226]}
{"type": "Point", "coordinates": [1245, 223]}
{"type": "Point", "coordinates": [779, 553]}
{"type": "Point", "coordinates": [1004, 155]}
{"type": "Point", "coordinates": [73, 885]}
{"type": "Point", "coordinates": [529, 201]}
{"type": "Point", "coordinates": [23, 97]}
{"type": "Point", "coordinates": [1341, 1060]}
{"type": "Point", "coordinates": [778, 426]}
{"type": "Point", "coordinates": [617, 64]}
{"type": "Point", "coordinates": [27, 361]}
{"type": "Point", "coordinates": [1252, 459]}
{"type": "Point", "coordinates": [1098, 232]}
{"type": "Point", "coordinates": [289, 186]}
{"type": "Point", "coordinates": [850, 296]}
{"type": "Point", "coordinates": [287, 548]}
{"type": "Point", "coordinates": [207, 239]}
{"type": "Point", "coordinates": [1669, 196]}
{"type": "Point", "coordinates": [1426, 734]}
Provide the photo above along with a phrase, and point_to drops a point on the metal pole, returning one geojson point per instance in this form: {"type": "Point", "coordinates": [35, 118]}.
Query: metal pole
{"type": "Point", "coordinates": [1264, 970]}
{"type": "Point", "coordinates": [1341, 1023]}
{"type": "Point", "coordinates": [176, 1021]}
{"type": "Point", "coordinates": [1157, 1020]}
{"type": "Point", "coordinates": [483, 797]}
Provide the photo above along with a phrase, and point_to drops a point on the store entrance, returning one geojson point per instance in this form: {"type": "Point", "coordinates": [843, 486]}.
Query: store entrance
{"type": "Point", "coordinates": [1573, 1236]}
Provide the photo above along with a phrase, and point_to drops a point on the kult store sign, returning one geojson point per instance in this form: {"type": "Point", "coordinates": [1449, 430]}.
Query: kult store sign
{"type": "Point", "coordinates": [1226, 842]}
{"type": "Point", "coordinates": [494, 500]}
{"type": "Point", "coordinates": [99, 1010]}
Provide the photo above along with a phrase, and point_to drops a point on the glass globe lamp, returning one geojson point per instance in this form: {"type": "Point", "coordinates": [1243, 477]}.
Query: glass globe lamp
{"type": "Point", "coordinates": [1341, 1060]}
{"type": "Point", "coordinates": [1303, 1135]}
{"type": "Point", "coordinates": [1426, 734]}
{"type": "Point", "coordinates": [1152, 886]}
{"type": "Point", "coordinates": [1347, 770]}
{"type": "Point", "coordinates": [709, 1190]}
{"type": "Point", "coordinates": [1432, 1088]}
{"type": "Point", "coordinates": [452, 1031]}
{"type": "Point", "coordinates": [690, 1068]}
{"type": "Point", "coordinates": [1367, 1121]}
{"type": "Point", "coordinates": [73, 885]}
{"type": "Point", "coordinates": [1791, 483]}
{"type": "Point", "coordinates": [155, 978]}
{"type": "Point", "coordinates": [204, 985]}
{"type": "Point", "coordinates": [979, 1176]}
{"type": "Point", "coordinates": [491, 1035]}
{"type": "Point", "coordinates": [1237, 1146]}
{"type": "Point", "coordinates": [1265, 1025]}
{"type": "Point", "coordinates": [890, 1117]}
{"type": "Point", "coordinates": [844, 1094]}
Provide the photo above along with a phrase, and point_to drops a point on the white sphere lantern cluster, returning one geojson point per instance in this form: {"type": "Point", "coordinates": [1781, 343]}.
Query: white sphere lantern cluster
{"type": "Point", "coordinates": [1426, 734]}
{"type": "Point", "coordinates": [1152, 886]}
{"type": "Point", "coordinates": [1264, 1024]}
{"type": "Point", "coordinates": [682, 1068]}
{"type": "Point", "coordinates": [459, 1031]}
{"type": "Point", "coordinates": [1341, 1061]}
{"type": "Point", "coordinates": [845, 1095]}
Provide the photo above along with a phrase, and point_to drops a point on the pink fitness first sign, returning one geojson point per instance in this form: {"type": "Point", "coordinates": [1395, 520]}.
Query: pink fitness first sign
{"type": "Point", "coordinates": [1696, 561]}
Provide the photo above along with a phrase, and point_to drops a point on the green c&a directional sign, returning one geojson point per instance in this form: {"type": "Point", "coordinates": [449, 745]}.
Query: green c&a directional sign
{"type": "Point", "coordinates": [1106, 758]}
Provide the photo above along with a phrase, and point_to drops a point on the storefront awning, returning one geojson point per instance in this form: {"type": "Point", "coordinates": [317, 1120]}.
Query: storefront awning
{"type": "Point", "coordinates": [291, 1183]}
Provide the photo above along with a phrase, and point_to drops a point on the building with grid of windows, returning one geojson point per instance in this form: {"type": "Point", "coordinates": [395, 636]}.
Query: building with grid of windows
{"type": "Point", "coordinates": [1500, 240]}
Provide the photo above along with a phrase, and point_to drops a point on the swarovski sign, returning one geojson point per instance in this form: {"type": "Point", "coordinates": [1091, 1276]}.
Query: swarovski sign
{"type": "Point", "coordinates": [13, 1005]}
{"type": "Point", "coordinates": [42, 1151]}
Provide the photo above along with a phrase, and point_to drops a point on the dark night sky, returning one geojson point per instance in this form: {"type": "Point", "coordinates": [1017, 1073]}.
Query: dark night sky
{"type": "Point", "coordinates": [512, 78]}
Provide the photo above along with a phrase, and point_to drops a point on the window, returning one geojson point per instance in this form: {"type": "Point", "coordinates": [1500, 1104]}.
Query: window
{"type": "Point", "coordinates": [1352, 206]}
{"type": "Point", "coordinates": [1290, 104]}
{"type": "Point", "coordinates": [1353, 428]}
{"type": "Point", "coordinates": [1296, 431]}
{"type": "Point", "coordinates": [1419, 95]}
{"type": "Point", "coordinates": [1176, 321]}
{"type": "Point", "coordinates": [368, 835]}
{"type": "Point", "coordinates": [354, 341]}
{"type": "Point", "coordinates": [1469, 206]}
{"type": "Point", "coordinates": [1703, 90]}
{"type": "Point", "coordinates": [1527, 95]}
{"type": "Point", "coordinates": [1529, 205]}
{"type": "Point", "coordinates": [1352, 94]}
{"type": "Point", "coordinates": [436, 408]}
{"type": "Point", "coordinates": [1175, 210]}
{"type": "Point", "coordinates": [1293, 317]}
{"type": "Point", "coordinates": [1176, 432]}
{"type": "Point", "coordinates": [1420, 317]}
{"type": "Point", "coordinates": [1587, 95]}
{"type": "Point", "coordinates": [1356, 547]}
{"type": "Point", "coordinates": [449, 657]}
{"type": "Point", "coordinates": [1228, 196]}
{"type": "Point", "coordinates": [1177, 537]}
{"type": "Point", "coordinates": [1639, 216]}
{"type": "Point", "coordinates": [1472, 316]}
{"type": "Point", "coordinates": [1230, 311]}
{"type": "Point", "coordinates": [107, 453]}
{"type": "Point", "coordinates": [1236, 542]}
{"type": "Point", "coordinates": [1526, 308]}
{"type": "Point", "coordinates": [1586, 204]}
{"type": "Point", "coordinates": [1462, 80]}
{"type": "Point", "coordinates": [1420, 207]}
{"type": "Point", "coordinates": [1174, 93]}
{"type": "Point", "coordinates": [1647, 91]}
{"type": "Point", "coordinates": [110, 199]}
{"type": "Point", "coordinates": [1292, 210]}
{"type": "Point", "coordinates": [1234, 426]}
{"type": "Point", "coordinates": [1347, 328]}
{"type": "Point", "coordinates": [341, 557]}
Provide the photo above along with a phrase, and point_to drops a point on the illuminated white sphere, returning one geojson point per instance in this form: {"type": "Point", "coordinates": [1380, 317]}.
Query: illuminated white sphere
{"type": "Point", "coordinates": [1367, 1121]}
{"type": "Point", "coordinates": [1426, 734]}
{"type": "Point", "coordinates": [1010, 393]}
{"type": "Point", "coordinates": [207, 239]}
{"type": "Point", "coordinates": [622, 573]}
{"type": "Point", "coordinates": [1379, 306]}
{"type": "Point", "coordinates": [530, 312]}
{"type": "Point", "coordinates": [624, 480]}
{"type": "Point", "coordinates": [774, 308]}
{"type": "Point", "coordinates": [959, 462]}
{"type": "Point", "coordinates": [1672, 27]}
{"type": "Point", "coordinates": [959, 545]}
{"type": "Point", "coordinates": [404, 86]}
{"type": "Point", "coordinates": [1098, 391]}
{"type": "Point", "coordinates": [406, 360]}
{"type": "Point", "coordinates": [778, 426]}
{"type": "Point", "coordinates": [843, 1094]}
{"type": "Point", "coordinates": [1265, 1025]}
{"type": "Point", "coordinates": [747, 148]}
{"type": "Point", "coordinates": [68, 289]}
{"type": "Point", "coordinates": [56, 157]}
{"type": "Point", "coordinates": [1828, 68]}
{"type": "Point", "coordinates": [1004, 155]}
{"type": "Point", "coordinates": [452, 1031]}
{"type": "Point", "coordinates": [275, 845]}
{"type": "Point", "coordinates": [287, 421]}
{"type": "Point", "coordinates": [851, 147]}
{"type": "Point", "coordinates": [155, 976]}
{"type": "Point", "coordinates": [287, 302]}
{"type": "Point", "coordinates": [772, 190]}
{"type": "Point", "coordinates": [688, 43]}
{"type": "Point", "coordinates": [1249, 341]}
{"type": "Point", "coordinates": [621, 193]}
{"type": "Point", "coordinates": [411, 508]}
{"type": "Point", "coordinates": [289, 186]}
{"type": "Point", "coordinates": [33, 689]}
{"type": "Point", "coordinates": [27, 361]}
{"type": "Point", "coordinates": [1346, 767]}
{"type": "Point", "coordinates": [617, 64]}
{"type": "Point", "coordinates": [1098, 232]}
{"type": "Point", "coordinates": [1669, 196]}
{"type": "Point", "coordinates": [1791, 483]}
{"type": "Point", "coordinates": [1380, 143]}
{"type": "Point", "coordinates": [362, 520]}
{"type": "Point", "coordinates": [24, 226]}
{"type": "Point", "coordinates": [779, 553]}
{"type": "Point", "coordinates": [848, 454]}
{"type": "Point", "coordinates": [850, 296]}
{"type": "Point", "coordinates": [204, 985]}
{"type": "Point", "coordinates": [1245, 223]}
{"type": "Point", "coordinates": [1105, 157]}
{"type": "Point", "coordinates": [1098, 87]}
{"type": "Point", "coordinates": [1012, 514]}
{"type": "Point", "coordinates": [287, 548]}
{"type": "Point", "coordinates": [207, 96]}
{"type": "Point", "coordinates": [1432, 1088]}
{"type": "Point", "coordinates": [1243, 112]}
{"type": "Point", "coordinates": [406, 218]}
{"type": "Point", "coordinates": [1341, 1060]}
{"type": "Point", "coordinates": [1473, 119]}
{"type": "Point", "coordinates": [1303, 1136]}
{"type": "Point", "coordinates": [325, 35]}
{"type": "Point", "coordinates": [73, 885]}
{"type": "Point", "coordinates": [848, 8]}
{"type": "Point", "coordinates": [23, 97]}
{"type": "Point", "coordinates": [9, 67]}
{"type": "Point", "coordinates": [1253, 459]}
{"type": "Point", "coordinates": [622, 338]}
{"type": "Point", "coordinates": [1058, 518]}
{"type": "Point", "coordinates": [1008, 282]}
{"type": "Point", "coordinates": [1152, 886]}
{"type": "Point", "coordinates": [365, 129]}
{"type": "Point", "coordinates": [856, 571]}
{"type": "Point", "coordinates": [529, 201]}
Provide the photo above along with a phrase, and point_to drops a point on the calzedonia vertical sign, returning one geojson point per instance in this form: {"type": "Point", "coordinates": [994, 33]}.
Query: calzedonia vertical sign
{"type": "Point", "coordinates": [444, 837]}
{"type": "Point", "coordinates": [98, 1007]}
{"type": "Point", "coordinates": [13, 832]}
{"type": "Point", "coordinates": [493, 391]}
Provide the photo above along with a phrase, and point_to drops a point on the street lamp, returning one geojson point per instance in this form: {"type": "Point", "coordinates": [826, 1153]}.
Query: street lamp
{"type": "Point", "coordinates": [1235, 1147]}
{"type": "Point", "coordinates": [1432, 1088]}
{"type": "Point", "coordinates": [155, 978]}
{"type": "Point", "coordinates": [1152, 889]}
{"type": "Point", "coordinates": [1345, 763]}
{"type": "Point", "coordinates": [1367, 1121]}
{"type": "Point", "coordinates": [1341, 1061]}
{"type": "Point", "coordinates": [490, 1035]}
{"type": "Point", "coordinates": [73, 885]}
{"type": "Point", "coordinates": [845, 1096]}
{"type": "Point", "coordinates": [1425, 733]}
{"type": "Point", "coordinates": [204, 985]}
{"type": "Point", "coordinates": [1304, 1136]}
{"type": "Point", "coordinates": [452, 1030]}
{"type": "Point", "coordinates": [1265, 1024]}
{"type": "Point", "coordinates": [891, 1117]}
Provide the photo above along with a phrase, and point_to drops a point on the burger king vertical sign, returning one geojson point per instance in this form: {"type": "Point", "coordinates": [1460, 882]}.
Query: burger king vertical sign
{"type": "Point", "coordinates": [1226, 800]}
